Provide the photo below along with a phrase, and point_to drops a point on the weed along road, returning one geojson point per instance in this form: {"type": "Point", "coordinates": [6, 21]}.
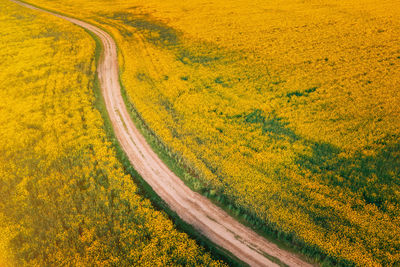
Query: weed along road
{"type": "Point", "coordinates": [195, 209]}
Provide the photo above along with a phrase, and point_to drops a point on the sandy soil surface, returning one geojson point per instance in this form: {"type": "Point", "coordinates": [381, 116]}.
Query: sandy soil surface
{"type": "Point", "coordinates": [195, 209]}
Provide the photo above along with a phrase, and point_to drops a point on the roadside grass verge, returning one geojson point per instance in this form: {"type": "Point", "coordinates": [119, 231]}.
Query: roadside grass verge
{"type": "Point", "coordinates": [145, 190]}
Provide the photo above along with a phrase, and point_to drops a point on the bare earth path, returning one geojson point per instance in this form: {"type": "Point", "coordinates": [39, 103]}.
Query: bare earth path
{"type": "Point", "coordinates": [195, 209]}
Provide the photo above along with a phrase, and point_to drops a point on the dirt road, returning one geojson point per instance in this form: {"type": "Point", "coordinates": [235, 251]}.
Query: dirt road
{"type": "Point", "coordinates": [195, 209]}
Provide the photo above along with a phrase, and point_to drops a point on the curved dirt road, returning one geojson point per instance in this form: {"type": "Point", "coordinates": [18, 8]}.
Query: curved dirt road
{"type": "Point", "coordinates": [195, 209]}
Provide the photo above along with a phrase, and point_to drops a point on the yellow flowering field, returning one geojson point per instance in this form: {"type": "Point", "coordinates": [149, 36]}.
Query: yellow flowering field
{"type": "Point", "coordinates": [287, 110]}
{"type": "Point", "coordinates": [65, 199]}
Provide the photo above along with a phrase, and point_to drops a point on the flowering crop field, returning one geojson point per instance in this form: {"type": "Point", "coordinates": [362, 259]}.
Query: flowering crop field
{"type": "Point", "coordinates": [287, 110]}
{"type": "Point", "coordinates": [65, 199]}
